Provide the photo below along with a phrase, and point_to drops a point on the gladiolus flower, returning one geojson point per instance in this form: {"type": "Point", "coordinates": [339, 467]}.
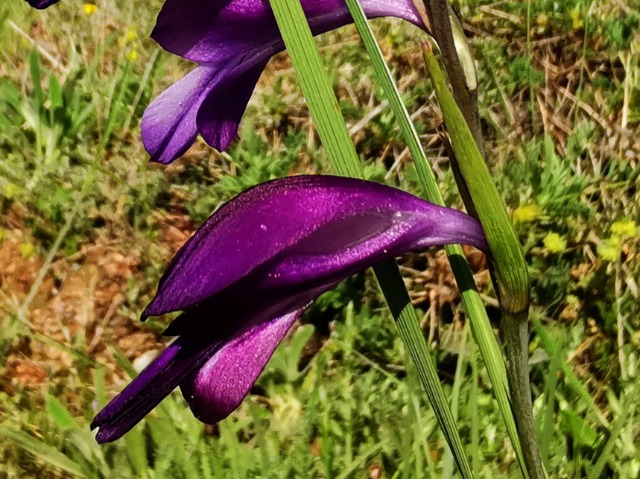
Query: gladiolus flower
{"type": "Point", "coordinates": [252, 268]}
{"type": "Point", "coordinates": [232, 41]}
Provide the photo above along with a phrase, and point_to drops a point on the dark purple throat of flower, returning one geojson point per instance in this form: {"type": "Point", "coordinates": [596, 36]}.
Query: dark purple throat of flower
{"type": "Point", "coordinates": [252, 268]}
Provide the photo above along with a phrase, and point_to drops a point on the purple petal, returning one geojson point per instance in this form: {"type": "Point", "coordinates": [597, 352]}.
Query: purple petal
{"type": "Point", "coordinates": [220, 114]}
{"type": "Point", "coordinates": [303, 232]}
{"type": "Point", "coordinates": [235, 40]}
{"type": "Point", "coordinates": [216, 389]}
{"type": "Point", "coordinates": [41, 4]}
{"type": "Point", "coordinates": [252, 268]}
{"type": "Point", "coordinates": [169, 123]}
{"type": "Point", "coordinates": [152, 385]}
{"type": "Point", "coordinates": [211, 31]}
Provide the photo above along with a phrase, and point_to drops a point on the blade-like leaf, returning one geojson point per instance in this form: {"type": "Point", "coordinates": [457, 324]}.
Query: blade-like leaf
{"type": "Point", "coordinates": [42, 451]}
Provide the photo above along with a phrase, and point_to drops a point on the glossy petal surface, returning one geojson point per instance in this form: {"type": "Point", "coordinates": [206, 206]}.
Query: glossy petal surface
{"type": "Point", "coordinates": [214, 31]}
{"type": "Point", "coordinates": [152, 385]}
{"type": "Point", "coordinates": [253, 267]}
{"type": "Point", "coordinates": [306, 230]}
{"type": "Point", "coordinates": [216, 389]}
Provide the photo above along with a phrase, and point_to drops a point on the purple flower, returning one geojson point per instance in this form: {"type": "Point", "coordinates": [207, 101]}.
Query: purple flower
{"type": "Point", "coordinates": [41, 4]}
{"type": "Point", "coordinates": [252, 268]}
{"type": "Point", "coordinates": [232, 40]}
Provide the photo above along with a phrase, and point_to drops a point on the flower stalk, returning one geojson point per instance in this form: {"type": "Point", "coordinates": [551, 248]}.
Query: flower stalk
{"type": "Point", "coordinates": [509, 268]}
{"type": "Point", "coordinates": [471, 301]}
{"type": "Point", "coordinates": [456, 57]}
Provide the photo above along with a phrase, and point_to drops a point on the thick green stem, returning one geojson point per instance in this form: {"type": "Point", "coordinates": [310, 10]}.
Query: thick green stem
{"type": "Point", "coordinates": [508, 266]}
{"type": "Point", "coordinates": [515, 330]}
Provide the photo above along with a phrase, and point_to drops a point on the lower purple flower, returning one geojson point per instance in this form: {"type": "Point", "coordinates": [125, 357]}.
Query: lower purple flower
{"type": "Point", "coordinates": [252, 268]}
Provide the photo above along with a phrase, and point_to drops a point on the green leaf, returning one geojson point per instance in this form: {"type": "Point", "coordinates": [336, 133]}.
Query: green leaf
{"type": "Point", "coordinates": [42, 451]}
{"type": "Point", "coordinates": [136, 447]}
{"type": "Point", "coordinates": [36, 78]}
{"type": "Point", "coordinates": [471, 300]}
{"type": "Point", "coordinates": [60, 414]}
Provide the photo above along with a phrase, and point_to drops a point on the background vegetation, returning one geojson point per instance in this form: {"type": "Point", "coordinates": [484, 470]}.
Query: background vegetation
{"type": "Point", "coordinates": [87, 226]}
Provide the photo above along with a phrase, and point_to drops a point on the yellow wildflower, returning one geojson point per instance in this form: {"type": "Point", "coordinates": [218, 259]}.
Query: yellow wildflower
{"type": "Point", "coordinates": [627, 228]}
{"type": "Point", "coordinates": [11, 190]}
{"type": "Point", "coordinates": [131, 35]}
{"type": "Point", "coordinates": [576, 18]}
{"type": "Point", "coordinates": [27, 250]}
{"type": "Point", "coordinates": [132, 55]}
{"type": "Point", "coordinates": [554, 243]}
{"type": "Point", "coordinates": [609, 250]}
{"type": "Point", "coordinates": [89, 8]}
{"type": "Point", "coordinates": [526, 213]}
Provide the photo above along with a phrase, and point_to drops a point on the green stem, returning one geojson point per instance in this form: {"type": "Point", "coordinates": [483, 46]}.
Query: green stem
{"type": "Point", "coordinates": [441, 22]}
{"type": "Point", "coordinates": [508, 266]}
{"type": "Point", "coordinates": [471, 301]}
{"type": "Point", "coordinates": [516, 337]}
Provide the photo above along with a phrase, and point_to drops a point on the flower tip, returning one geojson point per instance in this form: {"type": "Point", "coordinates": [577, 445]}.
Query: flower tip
{"type": "Point", "coordinates": [104, 433]}
{"type": "Point", "coordinates": [145, 314]}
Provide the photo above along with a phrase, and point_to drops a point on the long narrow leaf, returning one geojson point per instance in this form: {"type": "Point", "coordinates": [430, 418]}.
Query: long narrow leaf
{"type": "Point", "coordinates": [42, 451]}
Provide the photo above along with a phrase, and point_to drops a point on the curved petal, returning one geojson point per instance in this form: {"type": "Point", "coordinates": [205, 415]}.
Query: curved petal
{"type": "Point", "coordinates": [304, 231]}
{"type": "Point", "coordinates": [219, 115]}
{"type": "Point", "coordinates": [217, 388]}
{"type": "Point", "coordinates": [152, 385]}
{"type": "Point", "coordinates": [239, 340]}
{"type": "Point", "coordinates": [215, 30]}
{"type": "Point", "coordinates": [169, 123]}
{"type": "Point", "coordinates": [235, 39]}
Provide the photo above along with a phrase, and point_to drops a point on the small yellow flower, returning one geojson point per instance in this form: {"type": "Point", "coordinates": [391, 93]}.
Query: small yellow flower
{"type": "Point", "coordinates": [131, 35]}
{"type": "Point", "coordinates": [27, 250]}
{"type": "Point", "coordinates": [609, 250]}
{"type": "Point", "coordinates": [11, 190]}
{"type": "Point", "coordinates": [576, 18]}
{"type": "Point", "coordinates": [554, 243]}
{"type": "Point", "coordinates": [627, 228]}
{"type": "Point", "coordinates": [526, 213]}
{"type": "Point", "coordinates": [89, 8]}
{"type": "Point", "coordinates": [132, 55]}
{"type": "Point", "coordinates": [542, 20]}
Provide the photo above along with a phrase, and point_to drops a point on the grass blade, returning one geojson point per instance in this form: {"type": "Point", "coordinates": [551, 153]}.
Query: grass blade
{"type": "Point", "coordinates": [44, 452]}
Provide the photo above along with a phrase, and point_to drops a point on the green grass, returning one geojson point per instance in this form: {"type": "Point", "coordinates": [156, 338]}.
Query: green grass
{"type": "Point", "coordinates": [80, 205]}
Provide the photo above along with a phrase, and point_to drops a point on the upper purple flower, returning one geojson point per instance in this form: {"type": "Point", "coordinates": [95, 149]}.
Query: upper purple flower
{"type": "Point", "coordinates": [40, 4]}
{"type": "Point", "coordinates": [252, 268]}
{"type": "Point", "coordinates": [232, 40]}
